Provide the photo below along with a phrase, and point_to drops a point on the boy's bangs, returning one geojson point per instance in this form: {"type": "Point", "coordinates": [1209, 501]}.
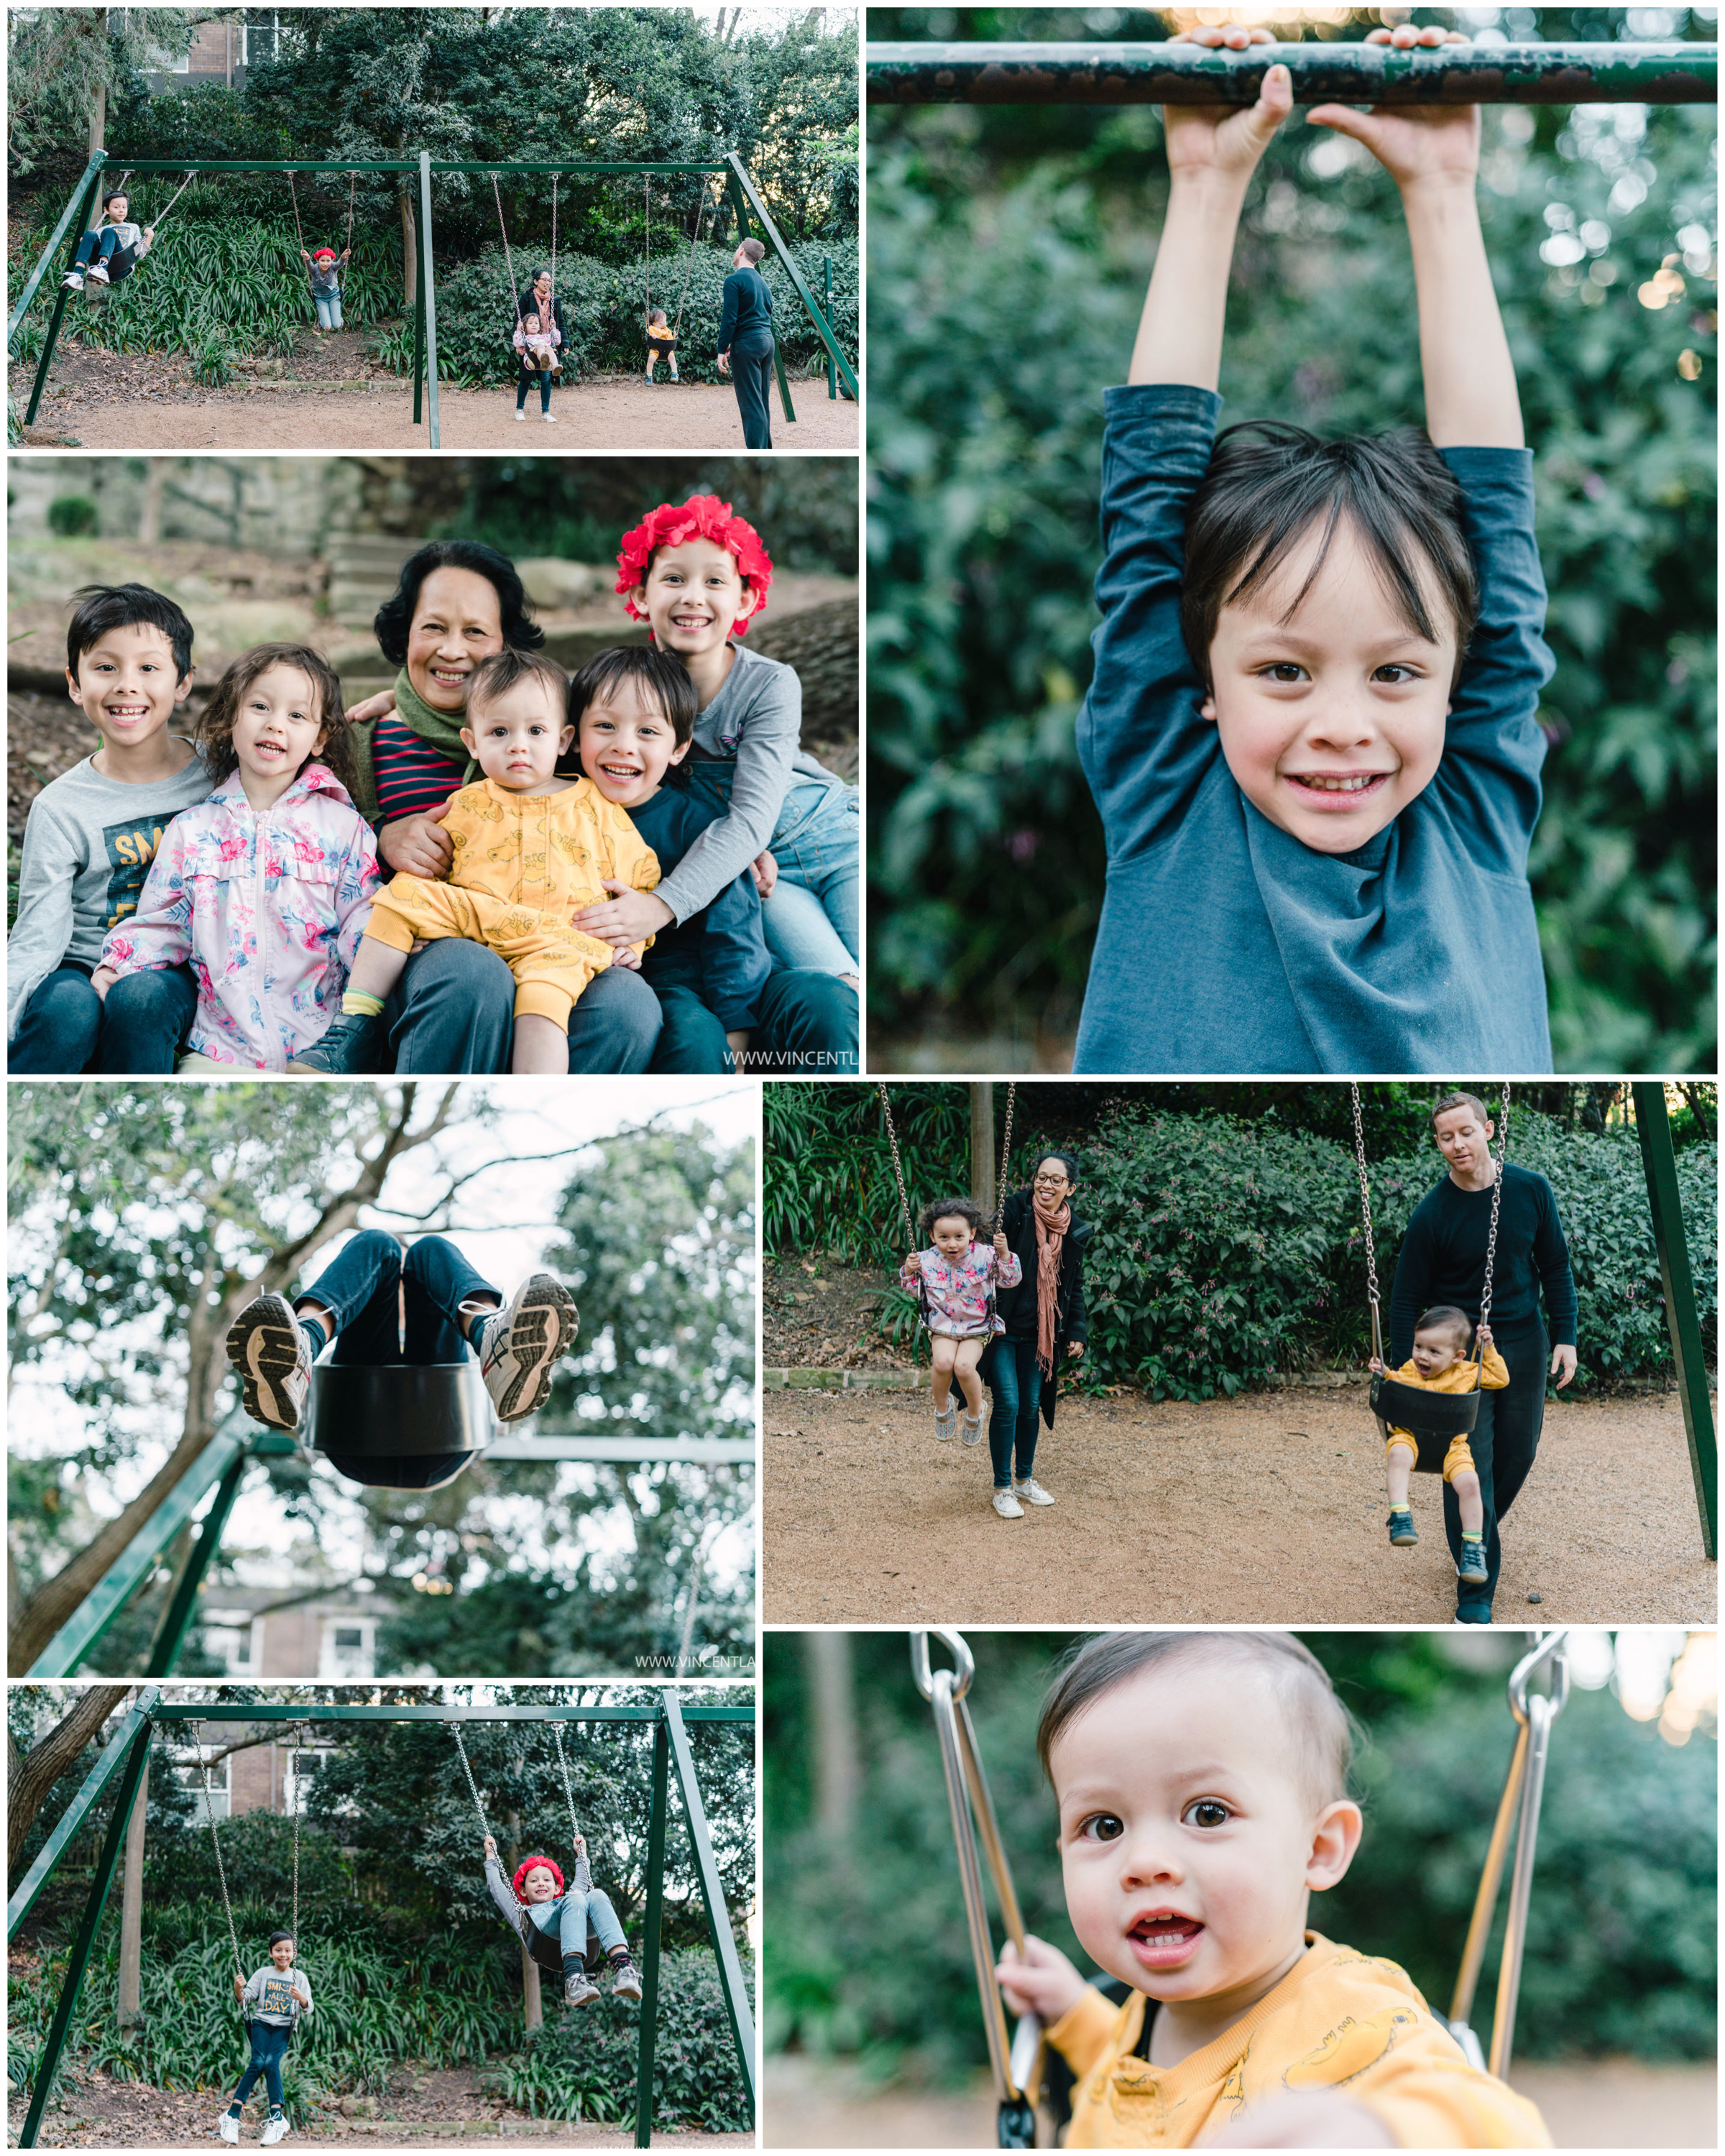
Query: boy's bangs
{"type": "Point", "coordinates": [1396, 575]}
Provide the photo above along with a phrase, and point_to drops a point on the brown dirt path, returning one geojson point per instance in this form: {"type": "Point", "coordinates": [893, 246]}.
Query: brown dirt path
{"type": "Point", "coordinates": [1265, 1510]}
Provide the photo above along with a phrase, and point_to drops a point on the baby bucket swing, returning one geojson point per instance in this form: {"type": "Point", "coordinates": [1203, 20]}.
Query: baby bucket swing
{"type": "Point", "coordinates": [701, 201]}
{"type": "Point", "coordinates": [1431, 1420]}
{"type": "Point", "coordinates": [1022, 2069]}
{"type": "Point", "coordinates": [399, 1425]}
{"type": "Point", "coordinates": [545, 1946]}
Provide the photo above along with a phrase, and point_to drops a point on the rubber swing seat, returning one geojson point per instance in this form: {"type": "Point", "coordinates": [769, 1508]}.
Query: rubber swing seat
{"type": "Point", "coordinates": [1431, 1420]}
{"type": "Point", "coordinates": [400, 1425]}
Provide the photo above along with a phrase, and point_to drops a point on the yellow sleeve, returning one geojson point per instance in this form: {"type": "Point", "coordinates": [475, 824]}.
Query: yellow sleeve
{"type": "Point", "coordinates": [1428, 2097]}
{"type": "Point", "coordinates": [1494, 1371]}
{"type": "Point", "coordinates": [1085, 2033]}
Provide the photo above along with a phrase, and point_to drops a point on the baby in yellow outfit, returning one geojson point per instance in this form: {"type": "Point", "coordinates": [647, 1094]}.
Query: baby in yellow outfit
{"type": "Point", "coordinates": [1441, 1363]}
{"type": "Point", "coordinates": [1202, 1782]}
{"type": "Point", "coordinates": [531, 851]}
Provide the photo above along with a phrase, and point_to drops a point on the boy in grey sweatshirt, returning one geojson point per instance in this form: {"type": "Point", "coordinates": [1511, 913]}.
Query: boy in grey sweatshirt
{"type": "Point", "coordinates": [272, 2000]}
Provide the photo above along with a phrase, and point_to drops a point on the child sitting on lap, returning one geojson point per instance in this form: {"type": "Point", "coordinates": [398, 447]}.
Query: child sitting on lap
{"type": "Point", "coordinates": [265, 885]}
{"type": "Point", "coordinates": [1202, 1780]}
{"type": "Point", "coordinates": [537, 1902]}
{"type": "Point", "coordinates": [1439, 1364]}
{"type": "Point", "coordinates": [956, 1276]}
{"type": "Point", "coordinates": [535, 339]}
{"type": "Point", "coordinates": [531, 851]}
{"type": "Point", "coordinates": [1312, 732]}
{"type": "Point", "coordinates": [277, 1994]}
{"type": "Point", "coordinates": [661, 342]}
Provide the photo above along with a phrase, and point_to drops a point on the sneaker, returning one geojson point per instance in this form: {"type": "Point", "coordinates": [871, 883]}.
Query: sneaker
{"type": "Point", "coordinates": [626, 1980]}
{"type": "Point", "coordinates": [230, 2129]}
{"type": "Point", "coordinates": [273, 2130]}
{"type": "Point", "coordinates": [972, 1432]}
{"type": "Point", "coordinates": [1008, 1506]}
{"type": "Point", "coordinates": [1032, 1492]}
{"type": "Point", "coordinates": [550, 419]}
{"type": "Point", "coordinates": [946, 1419]}
{"type": "Point", "coordinates": [97, 273]}
{"type": "Point", "coordinates": [1472, 1567]}
{"type": "Point", "coordinates": [519, 413]}
{"type": "Point", "coordinates": [1402, 1530]}
{"type": "Point", "coordinates": [74, 280]}
{"type": "Point", "coordinates": [647, 380]}
{"type": "Point", "coordinates": [349, 1050]}
{"type": "Point", "coordinates": [579, 1989]}
{"type": "Point", "coordinates": [521, 1346]}
{"type": "Point", "coordinates": [266, 1345]}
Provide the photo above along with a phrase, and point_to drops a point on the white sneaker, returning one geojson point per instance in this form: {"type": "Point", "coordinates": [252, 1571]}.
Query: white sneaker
{"type": "Point", "coordinates": [579, 1991]}
{"type": "Point", "coordinates": [946, 1419]}
{"type": "Point", "coordinates": [521, 1346]}
{"type": "Point", "coordinates": [1032, 1492]}
{"type": "Point", "coordinates": [1008, 1506]}
{"type": "Point", "coordinates": [230, 2130]}
{"type": "Point", "coordinates": [274, 2129]}
{"type": "Point", "coordinates": [972, 1432]}
{"type": "Point", "coordinates": [519, 413]}
{"type": "Point", "coordinates": [268, 1348]}
{"type": "Point", "coordinates": [550, 419]}
{"type": "Point", "coordinates": [74, 280]}
{"type": "Point", "coordinates": [98, 274]}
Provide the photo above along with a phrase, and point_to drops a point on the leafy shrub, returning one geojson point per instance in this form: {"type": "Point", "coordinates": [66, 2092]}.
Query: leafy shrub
{"type": "Point", "coordinates": [71, 515]}
{"type": "Point", "coordinates": [828, 1168]}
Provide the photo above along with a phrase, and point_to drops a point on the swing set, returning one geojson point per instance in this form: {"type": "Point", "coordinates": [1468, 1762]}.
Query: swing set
{"type": "Point", "coordinates": [1022, 2069]}
{"type": "Point", "coordinates": [734, 184]}
{"type": "Point", "coordinates": [127, 1757]}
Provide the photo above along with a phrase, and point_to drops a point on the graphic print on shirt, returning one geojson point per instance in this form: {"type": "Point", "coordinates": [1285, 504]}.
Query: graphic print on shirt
{"type": "Point", "coordinates": [131, 847]}
{"type": "Point", "coordinates": [278, 1994]}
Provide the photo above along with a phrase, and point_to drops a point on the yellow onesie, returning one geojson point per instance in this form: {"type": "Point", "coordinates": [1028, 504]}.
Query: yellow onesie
{"type": "Point", "coordinates": [1338, 2020]}
{"type": "Point", "coordinates": [524, 866]}
{"type": "Point", "coordinates": [1494, 1375]}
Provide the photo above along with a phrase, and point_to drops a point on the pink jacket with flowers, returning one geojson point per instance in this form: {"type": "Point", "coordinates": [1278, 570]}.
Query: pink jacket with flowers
{"type": "Point", "coordinates": [269, 909]}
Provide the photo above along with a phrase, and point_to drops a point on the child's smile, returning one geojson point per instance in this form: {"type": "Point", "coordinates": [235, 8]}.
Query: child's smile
{"type": "Point", "coordinates": [694, 596]}
{"type": "Point", "coordinates": [277, 728]}
{"type": "Point", "coordinates": [627, 743]}
{"type": "Point", "coordinates": [126, 682]}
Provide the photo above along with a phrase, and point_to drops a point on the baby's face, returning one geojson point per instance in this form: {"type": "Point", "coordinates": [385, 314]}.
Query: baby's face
{"type": "Point", "coordinates": [952, 1236]}
{"type": "Point", "coordinates": [1333, 719]}
{"type": "Point", "coordinates": [539, 1886]}
{"type": "Point", "coordinates": [517, 737]}
{"type": "Point", "coordinates": [1188, 1842]}
{"type": "Point", "coordinates": [1435, 1352]}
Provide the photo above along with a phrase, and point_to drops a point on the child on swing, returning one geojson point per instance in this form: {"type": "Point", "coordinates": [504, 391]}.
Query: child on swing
{"type": "Point", "coordinates": [324, 271]}
{"type": "Point", "coordinates": [275, 1997]}
{"type": "Point", "coordinates": [538, 1901]}
{"type": "Point", "coordinates": [661, 343]}
{"type": "Point", "coordinates": [1441, 1363]}
{"type": "Point", "coordinates": [113, 250]}
{"type": "Point", "coordinates": [536, 338]}
{"type": "Point", "coordinates": [1202, 1785]}
{"type": "Point", "coordinates": [955, 1276]}
{"type": "Point", "coordinates": [1311, 732]}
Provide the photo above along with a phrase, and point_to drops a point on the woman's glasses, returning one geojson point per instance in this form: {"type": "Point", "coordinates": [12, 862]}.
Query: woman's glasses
{"type": "Point", "coordinates": [1050, 1181]}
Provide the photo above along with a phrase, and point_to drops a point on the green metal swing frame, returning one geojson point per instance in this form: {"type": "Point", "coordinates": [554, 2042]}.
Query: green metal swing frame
{"type": "Point", "coordinates": [128, 1753]}
{"type": "Point", "coordinates": [743, 195]}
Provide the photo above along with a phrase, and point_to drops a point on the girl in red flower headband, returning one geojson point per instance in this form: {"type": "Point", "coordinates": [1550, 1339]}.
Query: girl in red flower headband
{"type": "Point", "coordinates": [537, 1903]}
{"type": "Point", "coordinates": [698, 575]}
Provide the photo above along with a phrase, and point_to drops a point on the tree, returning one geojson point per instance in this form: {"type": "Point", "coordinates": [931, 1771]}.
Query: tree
{"type": "Point", "coordinates": [30, 1775]}
{"type": "Point", "coordinates": [64, 62]}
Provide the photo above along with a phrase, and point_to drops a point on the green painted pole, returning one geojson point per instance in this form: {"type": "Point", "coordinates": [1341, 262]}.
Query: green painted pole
{"type": "Point", "coordinates": [60, 298]}
{"type": "Point", "coordinates": [418, 343]}
{"type": "Point", "coordinates": [1682, 1319]}
{"type": "Point", "coordinates": [91, 172]}
{"type": "Point", "coordinates": [712, 1893]}
{"type": "Point", "coordinates": [429, 289]}
{"type": "Point", "coordinates": [826, 294]}
{"type": "Point", "coordinates": [822, 328]}
{"type": "Point", "coordinates": [1324, 72]}
{"type": "Point", "coordinates": [228, 1711]}
{"type": "Point", "coordinates": [48, 2065]}
{"type": "Point", "coordinates": [165, 1652]}
{"type": "Point", "coordinates": [650, 1941]}
{"type": "Point", "coordinates": [382, 165]}
{"type": "Point", "coordinates": [23, 1900]}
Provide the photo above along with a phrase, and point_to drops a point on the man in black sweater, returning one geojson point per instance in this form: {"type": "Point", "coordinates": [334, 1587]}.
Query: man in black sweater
{"type": "Point", "coordinates": [1443, 1260]}
{"type": "Point", "coordinates": [746, 342]}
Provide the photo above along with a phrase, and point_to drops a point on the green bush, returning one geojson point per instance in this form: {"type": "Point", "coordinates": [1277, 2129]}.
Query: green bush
{"type": "Point", "coordinates": [71, 516]}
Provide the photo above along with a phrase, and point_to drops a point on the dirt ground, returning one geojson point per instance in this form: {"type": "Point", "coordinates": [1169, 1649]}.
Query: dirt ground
{"type": "Point", "coordinates": [815, 1315]}
{"type": "Point", "coordinates": [1607, 2103]}
{"type": "Point", "coordinates": [1268, 1509]}
{"type": "Point", "coordinates": [425, 2110]}
{"type": "Point", "coordinates": [326, 396]}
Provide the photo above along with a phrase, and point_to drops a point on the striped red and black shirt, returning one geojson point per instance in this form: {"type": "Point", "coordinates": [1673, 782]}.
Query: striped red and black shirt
{"type": "Point", "coordinates": [411, 775]}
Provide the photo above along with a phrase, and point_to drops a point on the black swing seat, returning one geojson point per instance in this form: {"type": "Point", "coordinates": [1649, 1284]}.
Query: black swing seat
{"type": "Point", "coordinates": [546, 1951]}
{"type": "Point", "coordinates": [1431, 1420]}
{"type": "Point", "coordinates": [399, 1425]}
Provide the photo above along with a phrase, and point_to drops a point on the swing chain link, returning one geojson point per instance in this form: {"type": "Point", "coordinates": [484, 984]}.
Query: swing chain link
{"type": "Point", "coordinates": [514, 293]}
{"type": "Point", "coordinates": [1005, 1155]}
{"type": "Point", "coordinates": [298, 1799]}
{"type": "Point", "coordinates": [898, 1172]}
{"type": "Point", "coordinates": [467, 1769]}
{"type": "Point", "coordinates": [557, 1734]}
{"type": "Point", "coordinates": [209, 1806]}
{"type": "Point", "coordinates": [1497, 1204]}
{"type": "Point", "coordinates": [1365, 1197]}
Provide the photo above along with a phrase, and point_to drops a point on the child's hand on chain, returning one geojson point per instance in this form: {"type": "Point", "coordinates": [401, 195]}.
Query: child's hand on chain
{"type": "Point", "coordinates": [1376, 1366]}
{"type": "Point", "coordinates": [913, 1264]}
{"type": "Point", "coordinates": [1001, 1250]}
{"type": "Point", "coordinates": [490, 1846]}
{"type": "Point", "coordinates": [239, 1989]}
{"type": "Point", "coordinates": [1484, 1337]}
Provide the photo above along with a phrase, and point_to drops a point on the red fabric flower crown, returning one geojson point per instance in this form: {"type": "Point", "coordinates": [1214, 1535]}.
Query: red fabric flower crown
{"type": "Point", "coordinates": [702, 516]}
{"type": "Point", "coordinates": [522, 1869]}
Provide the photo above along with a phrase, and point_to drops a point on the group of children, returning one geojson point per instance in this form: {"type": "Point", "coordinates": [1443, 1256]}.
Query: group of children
{"type": "Point", "coordinates": [240, 855]}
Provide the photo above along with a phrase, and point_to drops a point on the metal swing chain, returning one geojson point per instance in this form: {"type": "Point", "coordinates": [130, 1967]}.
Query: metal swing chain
{"type": "Point", "coordinates": [299, 1801]}
{"type": "Point", "coordinates": [209, 1806]}
{"type": "Point", "coordinates": [1365, 1207]}
{"type": "Point", "coordinates": [515, 293]}
{"type": "Point", "coordinates": [467, 1769]}
{"type": "Point", "coordinates": [556, 1736]}
{"type": "Point", "coordinates": [553, 253]}
{"type": "Point", "coordinates": [904, 1197]}
{"type": "Point", "coordinates": [1005, 1155]}
{"type": "Point", "coordinates": [1491, 1237]}
{"type": "Point", "coordinates": [689, 266]}
{"type": "Point", "coordinates": [647, 246]}
{"type": "Point", "coordinates": [172, 199]}
{"type": "Point", "coordinates": [299, 233]}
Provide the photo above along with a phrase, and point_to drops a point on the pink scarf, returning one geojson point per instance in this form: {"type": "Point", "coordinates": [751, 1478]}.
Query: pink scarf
{"type": "Point", "coordinates": [1052, 1222]}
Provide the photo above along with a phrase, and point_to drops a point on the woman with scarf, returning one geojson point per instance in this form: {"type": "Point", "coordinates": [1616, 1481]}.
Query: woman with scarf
{"type": "Point", "coordinates": [457, 603]}
{"type": "Point", "coordinates": [1044, 1318]}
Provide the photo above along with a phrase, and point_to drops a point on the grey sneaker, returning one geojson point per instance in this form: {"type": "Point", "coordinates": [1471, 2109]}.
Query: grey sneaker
{"type": "Point", "coordinates": [579, 1989]}
{"type": "Point", "coordinates": [268, 1348]}
{"type": "Point", "coordinates": [946, 1419]}
{"type": "Point", "coordinates": [1032, 1492]}
{"type": "Point", "coordinates": [626, 1980]}
{"type": "Point", "coordinates": [519, 1348]}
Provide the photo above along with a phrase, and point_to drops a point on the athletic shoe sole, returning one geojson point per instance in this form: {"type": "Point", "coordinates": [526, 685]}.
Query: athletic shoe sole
{"type": "Point", "coordinates": [542, 1333]}
{"type": "Point", "coordinates": [265, 1348]}
{"type": "Point", "coordinates": [632, 1991]}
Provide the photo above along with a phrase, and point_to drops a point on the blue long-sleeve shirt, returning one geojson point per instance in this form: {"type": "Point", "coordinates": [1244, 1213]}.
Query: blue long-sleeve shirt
{"type": "Point", "coordinates": [747, 313]}
{"type": "Point", "coordinates": [721, 951]}
{"type": "Point", "coordinates": [1225, 944]}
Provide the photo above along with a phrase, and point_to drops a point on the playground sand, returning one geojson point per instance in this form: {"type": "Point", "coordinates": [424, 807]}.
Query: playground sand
{"type": "Point", "coordinates": [1264, 1510]}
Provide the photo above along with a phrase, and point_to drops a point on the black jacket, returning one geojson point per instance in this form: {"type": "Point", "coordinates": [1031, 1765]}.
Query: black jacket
{"type": "Point", "coordinates": [746, 316]}
{"type": "Point", "coordinates": [1017, 1306]}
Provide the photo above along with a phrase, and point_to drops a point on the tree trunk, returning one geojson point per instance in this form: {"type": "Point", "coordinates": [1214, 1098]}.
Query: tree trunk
{"type": "Point", "coordinates": [409, 250]}
{"type": "Point", "coordinates": [31, 1778]}
{"type": "Point", "coordinates": [981, 1148]}
{"type": "Point", "coordinates": [131, 1911]}
{"type": "Point", "coordinates": [838, 1764]}
{"type": "Point", "coordinates": [532, 2005]}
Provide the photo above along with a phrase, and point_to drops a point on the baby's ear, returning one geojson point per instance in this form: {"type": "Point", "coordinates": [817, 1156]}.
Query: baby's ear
{"type": "Point", "coordinates": [1207, 709]}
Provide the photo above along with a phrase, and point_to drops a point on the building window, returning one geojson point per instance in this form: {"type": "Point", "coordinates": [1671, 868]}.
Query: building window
{"type": "Point", "coordinates": [186, 1764]}
{"type": "Point", "coordinates": [303, 1763]}
{"type": "Point", "coordinates": [349, 1653]}
{"type": "Point", "coordinates": [237, 1637]}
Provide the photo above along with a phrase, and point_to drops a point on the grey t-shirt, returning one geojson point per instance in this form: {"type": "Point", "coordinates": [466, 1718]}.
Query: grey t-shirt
{"type": "Point", "coordinates": [755, 721]}
{"type": "Point", "coordinates": [89, 842]}
{"type": "Point", "coordinates": [276, 1997]}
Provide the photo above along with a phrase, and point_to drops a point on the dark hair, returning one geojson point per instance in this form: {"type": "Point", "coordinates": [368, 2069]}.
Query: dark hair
{"type": "Point", "coordinates": [276, 1938]}
{"type": "Point", "coordinates": [753, 249]}
{"type": "Point", "coordinates": [100, 608]}
{"type": "Point", "coordinates": [665, 679]}
{"type": "Point", "coordinates": [1259, 498]}
{"type": "Point", "coordinates": [214, 730]}
{"type": "Point", "coordinates": [1446, 1102]}
{"type": "Point", "coordinates": [1320, 1726]}
{"type": "Point", "coordinates": [117, 194]}
{"type": "Point", "coordinates": [947, 1208]}
{"type": "Point", "coordinates": [1445, 1318]}
{"type": "Point", "coordinates": [395, 617]}
{"type": "Point", "coordinates": [495, 677]}
{"type": "Point", "coordinates": [1065, 1159]}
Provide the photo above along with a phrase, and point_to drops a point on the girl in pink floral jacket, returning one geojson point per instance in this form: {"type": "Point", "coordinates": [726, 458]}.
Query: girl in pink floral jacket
{"type": "Point", "coordinates": [266, 887]}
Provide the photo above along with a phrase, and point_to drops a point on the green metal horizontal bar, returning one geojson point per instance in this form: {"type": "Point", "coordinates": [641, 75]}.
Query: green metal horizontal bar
{"type": "Point", "coordinates": [1346, 74]}
{"type": "Point", "coordinates": [229, 1711]}
{"type": "Point", "coordinates": [98, 1779]}
{"type": "Point", "coordinates": [81, 1632]}
{"type": "Point", "coordinates": [371, 165]}
{"type": "Point", "coordinates": [48, 253]}
{"type": "Point", "coordinates": [699, 1451]}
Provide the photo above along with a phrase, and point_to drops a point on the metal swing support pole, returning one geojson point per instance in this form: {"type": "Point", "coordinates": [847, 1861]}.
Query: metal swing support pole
{"type": "Point", "coordinates": [652, 1923]}
{"type": "Point", "coordinates": [712, 1893]}
{"type": "Point", "coordinates": [743, 188]}
{"type": "Point", "coordinates": [1659, 1161]}
{"type": "Point", "coordinates": [171, 1635]}
{"type": "Point", "coordinates": [427, 300]}
{"type": "Point", "coordinates": [136, 1758]}
{"type": "Point", "coordinates": [85, 194]}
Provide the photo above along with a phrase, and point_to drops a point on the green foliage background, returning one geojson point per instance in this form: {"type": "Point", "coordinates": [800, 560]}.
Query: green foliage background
{"type": "Point", "coordinates": [1010, 251]}
{"type": "Point", "coordinates": [1227, 1246]}
{"type": "Point", "coordinates": [1621, 1946]}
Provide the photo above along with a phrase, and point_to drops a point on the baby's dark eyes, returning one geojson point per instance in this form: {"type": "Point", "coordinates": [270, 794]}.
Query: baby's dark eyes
{"type": "Point", "coordinates": [1284, 670]}
{"type": "Point", "coordinates": [1102, 1826]}
{"type": "Point", "coordinates": [1206, 1811]}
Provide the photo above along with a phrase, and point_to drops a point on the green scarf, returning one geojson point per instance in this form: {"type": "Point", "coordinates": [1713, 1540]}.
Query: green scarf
{"type": "Point", "coordinates": [441, 729]}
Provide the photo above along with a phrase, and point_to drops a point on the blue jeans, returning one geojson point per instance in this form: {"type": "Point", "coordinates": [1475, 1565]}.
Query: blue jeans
{"type": "Point", "coordinates": [569, 1916]}
{"type": "Point", "coordinates": [544, 378]}
{"type": "Point", "coordinates": [805, 1022]}
{"type": "Point", "coordinates": [104, 247]}
{"type": "Point", "coordinates": [268, 2049]}
{"type": "Point", "coordinates": [453, 1010]}
{"type": "Point", "coordinates": [1010, 1370]}
{"type": "Point", "coordinates": [328, 310]}
{"type": "Point", "coordinates": [66, 1026]}
{"type": "Point", "coordinates": [811, 919]}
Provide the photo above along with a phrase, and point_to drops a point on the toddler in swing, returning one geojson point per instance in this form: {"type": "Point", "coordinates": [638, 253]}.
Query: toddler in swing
{"type": "Point", "coordinates": [955, 1276]}
{"type": "Point", "coordinates": [1441, 1363]}
{"type": "Point", "coordinates": [275, 1997]}
{"type": "Point", "coordinates": [537, 340]}
{"type": "Point", "coordinates": [1312, 732]}
{"type": "Point", "coordinates": [661, 342]}
{"type": "Point", "coordinates": [1202, 1780]}
{"type": "Point", "coordinates": [538, 1902]}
